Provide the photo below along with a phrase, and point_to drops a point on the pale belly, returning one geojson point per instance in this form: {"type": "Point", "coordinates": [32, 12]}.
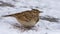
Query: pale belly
{"type": "Point", "coordinates": [27, 24]}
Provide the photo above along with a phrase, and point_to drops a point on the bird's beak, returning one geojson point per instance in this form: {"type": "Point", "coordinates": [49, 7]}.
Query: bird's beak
{"type": "Point", "coordinates": [40, 11]}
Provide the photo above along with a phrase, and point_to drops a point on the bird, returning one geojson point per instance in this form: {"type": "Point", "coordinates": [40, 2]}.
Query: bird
{"type": "Point", "coordinates": [27, 18]}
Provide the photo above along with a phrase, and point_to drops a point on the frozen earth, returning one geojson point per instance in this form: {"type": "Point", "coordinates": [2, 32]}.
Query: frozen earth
{"type": "Point", "coordinates": [49, 22]}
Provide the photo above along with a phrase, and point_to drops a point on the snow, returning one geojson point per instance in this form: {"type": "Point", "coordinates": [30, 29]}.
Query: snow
{"type": "Point", "coordinates": [49, 7]}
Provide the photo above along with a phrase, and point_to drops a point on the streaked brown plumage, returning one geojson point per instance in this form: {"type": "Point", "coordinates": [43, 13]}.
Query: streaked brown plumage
{"type": "Point", "coordinates": [27, 18]}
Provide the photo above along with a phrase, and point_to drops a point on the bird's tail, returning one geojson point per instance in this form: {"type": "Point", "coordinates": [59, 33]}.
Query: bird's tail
{"type": "Point", "coordinates": [7, 15]}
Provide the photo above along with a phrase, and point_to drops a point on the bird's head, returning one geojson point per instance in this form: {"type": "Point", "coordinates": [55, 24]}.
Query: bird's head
{"type": "Point", "coordinates": [36, 11]}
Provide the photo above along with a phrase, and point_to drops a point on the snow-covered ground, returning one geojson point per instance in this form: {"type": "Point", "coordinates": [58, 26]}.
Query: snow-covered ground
{"type": "Point", "coordinates": [50, 10]}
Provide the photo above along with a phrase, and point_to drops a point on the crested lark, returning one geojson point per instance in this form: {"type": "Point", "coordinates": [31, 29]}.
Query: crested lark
{"type": "Point", "coordinates": [27, 18]}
